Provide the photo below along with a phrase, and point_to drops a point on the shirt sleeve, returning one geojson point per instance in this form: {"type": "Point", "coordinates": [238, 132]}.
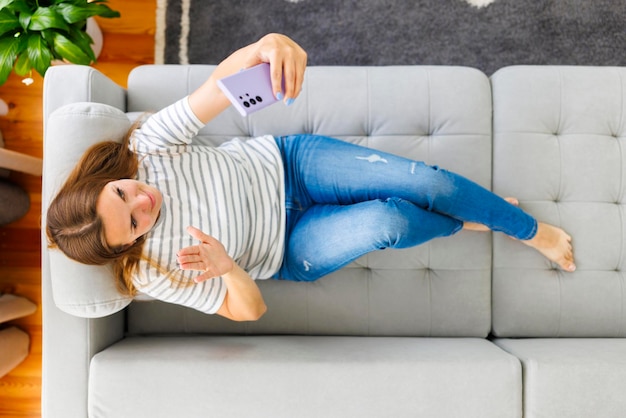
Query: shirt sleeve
{"type": "Point", "coordinates": [176, 124]}
{"type": "Point", "coordinates": [207, 296]}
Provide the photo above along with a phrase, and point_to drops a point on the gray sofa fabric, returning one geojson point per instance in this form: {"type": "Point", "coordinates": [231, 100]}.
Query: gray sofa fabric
{"type": "Point", "coordinates": [368, 340]}
{"type": "Point", "coordinates": [559, 147]}
{"type": "Point", "coordinates": [305, 377]}
{"type": "Point", "coordinates": [571, 377]}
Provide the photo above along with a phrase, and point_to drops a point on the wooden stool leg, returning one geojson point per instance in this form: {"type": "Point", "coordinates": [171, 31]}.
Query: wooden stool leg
{"type": "Point", "coordinates": [12, 307]}
{"type": "Point", "coordinates": [20, 162]}
{"type": "Point", "coordinates": [14, 346]}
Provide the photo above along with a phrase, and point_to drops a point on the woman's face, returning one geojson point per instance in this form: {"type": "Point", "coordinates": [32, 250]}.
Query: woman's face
{"type": "Point", "coordinates": [129, 209]}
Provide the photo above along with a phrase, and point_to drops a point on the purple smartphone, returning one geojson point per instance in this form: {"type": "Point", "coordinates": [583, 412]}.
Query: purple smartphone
{"type": "Point", "coordinates": [249, 90]}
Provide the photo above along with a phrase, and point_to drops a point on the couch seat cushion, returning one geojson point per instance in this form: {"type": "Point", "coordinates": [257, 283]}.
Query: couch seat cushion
{"type": "Point", "coordinates": [571, 377]}
{"type": "Point", "coordinates": [273, 376]}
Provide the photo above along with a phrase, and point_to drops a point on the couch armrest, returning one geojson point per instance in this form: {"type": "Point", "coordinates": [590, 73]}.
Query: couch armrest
{"type": "Point", "coordinates": [66, 84]}
{"type": "Point", "coordinates": [69, 342]}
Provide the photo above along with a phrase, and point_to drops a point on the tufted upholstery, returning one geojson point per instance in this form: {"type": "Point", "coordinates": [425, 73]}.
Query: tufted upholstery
{"type": "Point", "coordinates": [560, 147]}
{"type": "Point", "coordinates": [438, 115]}
{"type": "Point", "coordinates": [557, 135]}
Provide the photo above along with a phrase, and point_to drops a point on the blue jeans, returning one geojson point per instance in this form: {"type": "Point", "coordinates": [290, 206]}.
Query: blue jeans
{"type": "Point", "coordinates": [344, 200]}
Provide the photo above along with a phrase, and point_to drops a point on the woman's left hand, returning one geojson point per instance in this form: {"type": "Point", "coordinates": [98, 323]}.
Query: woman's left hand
{"type": "Point", "coordinates": [243, 300]}
{"type": "Point", "coordinates": [209, 256]}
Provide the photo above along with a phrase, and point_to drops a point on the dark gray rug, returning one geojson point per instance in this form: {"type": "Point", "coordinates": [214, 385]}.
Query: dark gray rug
{"type": "Point", "coordinates": [388, 32]}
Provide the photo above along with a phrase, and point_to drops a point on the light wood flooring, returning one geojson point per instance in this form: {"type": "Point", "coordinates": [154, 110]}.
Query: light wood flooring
{"type": "Point", "coordinates": [128, 42]}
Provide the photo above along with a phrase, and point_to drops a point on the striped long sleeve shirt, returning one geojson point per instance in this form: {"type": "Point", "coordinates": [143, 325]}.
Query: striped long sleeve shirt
{"type": "Point", "coordinates": [234, 192]}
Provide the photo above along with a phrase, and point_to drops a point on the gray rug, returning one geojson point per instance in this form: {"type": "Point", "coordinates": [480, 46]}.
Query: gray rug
{"type": "Point", "coordinates": [388, 32]}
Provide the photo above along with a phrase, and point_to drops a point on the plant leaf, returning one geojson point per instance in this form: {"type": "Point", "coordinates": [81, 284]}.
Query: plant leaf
{"type": "Point", "coordinates": [72, 13]}
{"type": "Point", "coordinates": [102, 10]}
{"type": "Point", "coordinates": [8, 22]}
{"type": "Point", "coordinates": [69, 51]}
{"type": "Point", "coordinates": [9, 48]}
{"type": "Point", "coordinates": [38, 52]}
{"type": "Point", "coordinates": [82, 39]}
{"type": "Point", "coordinates": [46, 18]}
{"type": "Point", "coordinates": [22, 6]}
{"type": "Point", "coordinates": [24, 19]}
{"type": "Point", "coordinates": [76, 2]}
{"type": "Point", "coordinates": [5, 3]}
{"type": "Point", "coordinates": [22, 65]}
{"type": "Point", "coordinates": [76, 11]}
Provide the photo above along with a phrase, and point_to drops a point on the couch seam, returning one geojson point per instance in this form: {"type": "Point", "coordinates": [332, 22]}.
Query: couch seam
{"type": "Point", "coordinates": [308, 123]}
{"type": "Point", "coordinates": [429, 92]}
{"type": "Point", "coordinates": [430, 137]}
{"type": "Point", "coordinates": [368, 93]}
{"type": "Point", "coordinates": [370, 277]}
{"type": "Point", "coordinates": [188, 79]}
{"type": "Point", "coordinates": [560, 194]}
{"type": "Point", "coordinates": [619, 263]}
{"type": "Point", "coordinates": [559, 140]}
{"type": "Point", "coordinates": [307, 309]}
{"type": "Point", "coordinates": [622, 118]}
{"type": "Point", "coordinates": [621, 221]}
{"type": "Point", "coordinates": [620, 127]}
{"type": "Point", "coordinates": [90, 89]}
{"type": "Point", "coordinates": [430, 297]}
{"type": "Point", "coordinates": [620, 274]}
{"type": "Point", "coordinates": [620, 196]}
{"type": "Point", "coordinates": [88, 357]}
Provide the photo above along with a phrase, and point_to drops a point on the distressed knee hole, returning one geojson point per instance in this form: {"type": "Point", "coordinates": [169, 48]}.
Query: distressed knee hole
{"type": "Point", "coordinates": [374, 158]}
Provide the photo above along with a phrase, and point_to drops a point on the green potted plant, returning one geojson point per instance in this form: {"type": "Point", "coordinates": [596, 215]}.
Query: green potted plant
{"type": "Point", "coordinates": [34, 33]}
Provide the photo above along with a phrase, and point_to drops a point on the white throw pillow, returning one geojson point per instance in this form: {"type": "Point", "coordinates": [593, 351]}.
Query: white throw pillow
{"type": "Point", "coordinates": [78, 289]}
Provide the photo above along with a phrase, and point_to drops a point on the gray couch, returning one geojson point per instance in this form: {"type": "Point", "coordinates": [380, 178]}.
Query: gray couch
{"type": "Point", "coordinates": [474, 325]}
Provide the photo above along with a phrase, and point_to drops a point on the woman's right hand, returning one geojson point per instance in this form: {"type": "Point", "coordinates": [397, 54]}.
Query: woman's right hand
{"type": "Point", "coordinates": [286, 58]}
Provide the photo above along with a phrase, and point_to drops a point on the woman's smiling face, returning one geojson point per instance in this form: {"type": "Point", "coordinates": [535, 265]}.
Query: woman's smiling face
{"type": "Point", "coordinates": [129, 209]}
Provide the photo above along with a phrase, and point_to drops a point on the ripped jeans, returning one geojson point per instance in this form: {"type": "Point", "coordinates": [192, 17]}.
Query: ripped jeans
{"type": "Point", "coordinates": [344, 200]}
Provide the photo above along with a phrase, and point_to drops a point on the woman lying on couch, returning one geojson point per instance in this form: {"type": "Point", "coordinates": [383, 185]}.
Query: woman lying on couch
{"type": "Point", "coordinates": [295, 208]}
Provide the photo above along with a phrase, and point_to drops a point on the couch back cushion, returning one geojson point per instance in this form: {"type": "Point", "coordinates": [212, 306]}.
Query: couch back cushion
{"type": "Point", "coordinates": [560, 147]}
{"type": "Point", "coordinates": [441, 115]}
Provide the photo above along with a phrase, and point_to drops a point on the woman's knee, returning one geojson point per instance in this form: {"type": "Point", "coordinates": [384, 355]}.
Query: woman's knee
{"type": "Point", "coordinates": [388, 221]}
{"type": "Point", "coordinates": [402, 224]}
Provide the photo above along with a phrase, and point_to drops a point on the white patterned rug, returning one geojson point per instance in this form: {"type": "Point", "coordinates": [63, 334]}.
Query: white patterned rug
{"type": "Point", "coordinates": [485, 34]}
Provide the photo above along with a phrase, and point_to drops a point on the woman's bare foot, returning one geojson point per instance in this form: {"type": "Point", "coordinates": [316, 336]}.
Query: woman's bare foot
{"type": "Point", "coordinates": [554, 244]}
{"type": "Point", "coordinates": [474, 226]}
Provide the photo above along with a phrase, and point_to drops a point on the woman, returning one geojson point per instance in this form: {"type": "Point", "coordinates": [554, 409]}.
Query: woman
{"type": "Point", "coordinates": [295, 208]}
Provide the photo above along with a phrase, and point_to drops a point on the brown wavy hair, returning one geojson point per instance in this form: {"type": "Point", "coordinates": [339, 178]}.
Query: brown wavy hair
{"type": "Point", "coordinates": [74, 226]}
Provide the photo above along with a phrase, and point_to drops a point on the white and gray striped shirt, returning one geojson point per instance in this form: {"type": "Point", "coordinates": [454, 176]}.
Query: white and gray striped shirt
{"type": "Point", "coordinates": [234, 192]}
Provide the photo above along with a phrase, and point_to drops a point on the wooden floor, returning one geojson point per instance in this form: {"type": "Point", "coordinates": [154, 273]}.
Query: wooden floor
{"type": "Point", "coordinates": [128, 42]}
